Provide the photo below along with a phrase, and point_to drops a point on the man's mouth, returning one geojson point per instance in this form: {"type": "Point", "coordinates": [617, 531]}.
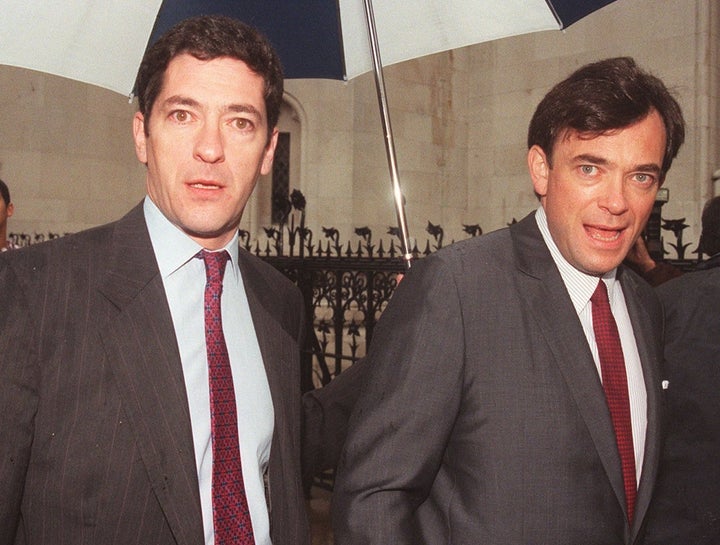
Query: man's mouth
{"type": "Point", "coordinates": [603, 235]}
{"type": "Point", "coordinates": [205, 185]}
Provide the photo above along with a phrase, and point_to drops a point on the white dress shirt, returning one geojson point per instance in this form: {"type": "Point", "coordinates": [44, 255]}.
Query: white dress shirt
{"type": "Point", "coordinates": [580, 287]}
{"type": "Point", "coordinates": [183, 277]}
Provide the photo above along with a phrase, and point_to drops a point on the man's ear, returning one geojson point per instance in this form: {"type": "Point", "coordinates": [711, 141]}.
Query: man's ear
{"type": "Point", "coordinates": [9, 209]}
{"type": "Point", "coordinates": [539, 168]}
{"type": "Point", "coordinates": [140, 137]}
{"type": "Point", "coordinates": [269, 153]}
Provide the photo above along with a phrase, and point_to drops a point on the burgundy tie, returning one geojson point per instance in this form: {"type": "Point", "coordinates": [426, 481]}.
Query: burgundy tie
{"type": "Point", "coordinates": [231, 517]}
{"type": "Point", "coordinates": [614, 378]}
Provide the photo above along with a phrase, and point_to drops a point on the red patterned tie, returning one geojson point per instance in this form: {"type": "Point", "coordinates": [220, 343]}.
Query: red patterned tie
{"type": "Point", "coordinates": [614, 378]}
{"type": "Point", "coordinates": [231, 517]}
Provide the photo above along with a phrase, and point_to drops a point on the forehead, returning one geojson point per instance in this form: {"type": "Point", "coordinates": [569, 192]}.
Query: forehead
{"type": "Point", "coordinates": [222, 80]}
{"type": "Point", "coordinates": [643, 140]}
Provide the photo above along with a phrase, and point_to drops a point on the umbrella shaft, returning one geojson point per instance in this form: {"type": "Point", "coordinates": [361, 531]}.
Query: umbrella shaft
{"type": "Point", "coordinates": [387, 131]}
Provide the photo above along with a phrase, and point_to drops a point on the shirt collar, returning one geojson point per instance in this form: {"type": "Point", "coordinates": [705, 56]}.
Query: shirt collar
{"type": "Point", "coordinates": [580, 285]}
{"type": "Point", "coordinates": [173, 248]}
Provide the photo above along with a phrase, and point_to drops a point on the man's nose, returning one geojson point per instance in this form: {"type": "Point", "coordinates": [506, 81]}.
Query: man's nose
{"type": "Point", "coordinates": [209, 146]}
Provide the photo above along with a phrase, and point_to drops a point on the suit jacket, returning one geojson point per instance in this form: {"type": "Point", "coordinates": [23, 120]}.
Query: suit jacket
{"type": "Point", "coordinates": [711, 262]}
{"type": "Point", "coordinates": [483, 418]}
{"type": "Point", "coordinates": [95, 436]}
{"type": "Point", "coordinates": [686, 505]}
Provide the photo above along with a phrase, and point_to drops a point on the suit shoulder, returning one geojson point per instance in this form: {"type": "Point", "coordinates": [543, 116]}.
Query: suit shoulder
{"type": "Point", "coordinates": [267, 282]}
{"type": "Point", "coordinates": [691, 281]}
{"type": "Point", "coordinates": [483, 251]}
{"type": "Point", "coordinates": [62, 251]}
{"type": "Point", "coordinates": [690, 288]}
{"type": "Point", "coordinates": [497, 249]}
{"type": "Point", "coordinates": [454, 269]}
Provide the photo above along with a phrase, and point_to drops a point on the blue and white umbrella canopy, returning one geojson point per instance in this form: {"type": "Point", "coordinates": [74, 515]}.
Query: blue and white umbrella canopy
{"type": "Point", "coordinates": [101, 43]}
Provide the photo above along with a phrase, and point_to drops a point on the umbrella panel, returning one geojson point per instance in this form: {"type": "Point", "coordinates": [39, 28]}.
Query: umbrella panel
{"type": "Point", "coordinates": [305, 34]}
{"type": "Point", "coordinates": [568, 12]}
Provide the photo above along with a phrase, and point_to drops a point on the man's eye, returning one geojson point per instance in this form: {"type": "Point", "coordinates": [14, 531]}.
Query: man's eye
{"type": "Point", "coordinates": [644, 178]}
{"type": "Point", "coordinates": [588, 169]}
{"type": "Point", "coordinates": [241, 123]}
{"type": "Point", "coordinates": [181, 116]}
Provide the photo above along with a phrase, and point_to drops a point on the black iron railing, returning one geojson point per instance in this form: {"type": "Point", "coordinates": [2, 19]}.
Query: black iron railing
{"type": "Point", "coordinates": [346, 286]}
{"type": "Point", "coordinates": [344, 297]}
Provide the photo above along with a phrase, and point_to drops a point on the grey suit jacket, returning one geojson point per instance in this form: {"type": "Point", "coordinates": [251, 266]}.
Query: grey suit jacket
{"type": "Point", "coordinates": [95, 436]}
{"type": "Point", "coordinates": [686, 504]}
{"type": "Point", "coordinates": [483, 419]}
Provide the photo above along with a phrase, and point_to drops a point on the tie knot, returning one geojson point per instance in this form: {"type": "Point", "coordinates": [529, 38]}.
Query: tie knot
{"type": "Point", "coordinates": [214, 264]}
{"type": "Point", "coordinates": [600, 295]}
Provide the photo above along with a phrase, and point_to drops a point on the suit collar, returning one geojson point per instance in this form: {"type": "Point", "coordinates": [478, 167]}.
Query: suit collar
{"type": "Point", "coordinates": [271, 335]}
{"type": "Point", "coordinates": [278, 329]}
{"type": "Point", "coordinates": [132, 263]}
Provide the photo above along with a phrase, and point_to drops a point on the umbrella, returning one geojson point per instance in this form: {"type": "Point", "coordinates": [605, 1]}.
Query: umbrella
{"type": "Point", "coordinates": [102, 43]}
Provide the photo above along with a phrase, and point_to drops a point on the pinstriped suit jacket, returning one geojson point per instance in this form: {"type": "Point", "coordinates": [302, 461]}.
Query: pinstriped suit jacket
{"type": "Point", "coordinates": [95, 437]}
{"type": "Point", "coordinates": [482, 419]}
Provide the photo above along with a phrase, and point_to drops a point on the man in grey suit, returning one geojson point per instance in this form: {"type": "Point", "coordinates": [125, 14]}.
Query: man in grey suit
{"type": "Point", "coordinates": [108, 418]}
{"type": "Point", "coordinates": [483, 418]}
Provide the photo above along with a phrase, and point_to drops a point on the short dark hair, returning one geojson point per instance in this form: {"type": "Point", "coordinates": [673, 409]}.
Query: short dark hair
{"type": "Point", "coordinates": [603, 96]}
{"type": "Point", "coordinates": [205, 38]}
{"type": "Point", "coordinates": [5, 192]}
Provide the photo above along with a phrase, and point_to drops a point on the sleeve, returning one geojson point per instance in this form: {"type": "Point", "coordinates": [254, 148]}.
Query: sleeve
{"type": "Point", "coordinates": [405, 413]}
{"type": "Point", "coordinates": [326, 412]}
{"type": "Point", "coordinates": [661, 273]}
{"type": "Point", "coordinates": [18, 398]}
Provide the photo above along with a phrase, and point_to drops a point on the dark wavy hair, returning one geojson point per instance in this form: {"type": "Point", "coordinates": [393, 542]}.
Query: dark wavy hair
{"type": "Point", "coordinates": [205, 38]}
{"type": "Point", "coordinates": [604, 96]}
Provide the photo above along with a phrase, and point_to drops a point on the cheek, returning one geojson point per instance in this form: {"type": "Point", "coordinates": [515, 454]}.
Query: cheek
{"type": "Point", "coordinates": [643, 208]}
{"type": "Point", "coordinates": [165, 156]}
{"type": "Point", "coordinates": [563, 205]}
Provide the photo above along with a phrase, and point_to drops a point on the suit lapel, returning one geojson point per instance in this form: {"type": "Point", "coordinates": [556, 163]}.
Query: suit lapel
{"type": "Point", "coordinates": [142, 351]}
{"type": "Point", "coordinates": [548, 302]}
{"type": "Point", "coordinates": [648, 349]}
{"type": "Point", "coordinates": [270, 335]}
{"type": "Point", "coordinates": [278, 347]}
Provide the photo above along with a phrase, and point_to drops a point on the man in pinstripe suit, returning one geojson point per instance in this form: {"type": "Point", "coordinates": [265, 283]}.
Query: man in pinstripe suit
{"type": "Point", "coordinates": [104, 418]}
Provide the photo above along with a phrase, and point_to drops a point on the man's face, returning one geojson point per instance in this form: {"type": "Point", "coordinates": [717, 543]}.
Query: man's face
{"type": "Point", "coordinates": [600, 191]}
{"type": "Point", "coordinates": [206, 146]}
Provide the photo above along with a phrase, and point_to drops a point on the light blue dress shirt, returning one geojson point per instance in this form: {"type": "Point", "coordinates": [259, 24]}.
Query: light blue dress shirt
{"type": "Point", "coordinates": [183, 277]}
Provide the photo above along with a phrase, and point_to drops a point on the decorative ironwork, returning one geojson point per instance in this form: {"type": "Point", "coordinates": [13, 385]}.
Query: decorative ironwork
{"type": "Point", "coordinates": [280, 177]}
{"type": "Point", "coordinates": [677, 227]}
{"type": "Point", "coordinates": [344, 297]}
{"type": "Point", "coordinates": [346, 286]}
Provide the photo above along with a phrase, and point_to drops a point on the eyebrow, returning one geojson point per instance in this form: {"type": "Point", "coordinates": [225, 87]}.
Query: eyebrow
{"type": "Point", "coordinates": [180, 100]}
{"type": "Point", "coordinates": [596, 160]}
{"type": "Point", "coordinates": [244, 109]}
